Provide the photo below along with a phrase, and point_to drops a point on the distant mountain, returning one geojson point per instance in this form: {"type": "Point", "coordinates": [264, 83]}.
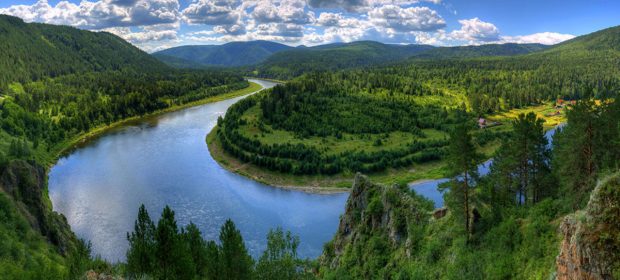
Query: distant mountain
{"type": "Point", "coordinates": [292, 63]}
{"type": "Point", "coordinates": [30, 51]}
{"type": "Point", "coordinates": [178, 62]}
{"type": "Point", "coordinates": [508, 49]}
{"type": "Point", "coordinates": [226, 55]}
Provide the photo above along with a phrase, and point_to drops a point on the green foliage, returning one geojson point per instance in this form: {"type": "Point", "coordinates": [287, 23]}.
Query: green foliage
{"type": "Point", "coordinates": [343, 106]}
{"type": "Point", "coordinates": [163, 251]}
{"type": "Point", "coordinates": [463, 160]}
{"type": "Point", "coordinates": [293, 63]}
{"type": "Point", "coordinates": [521, 168]}
{"type": "Point", "coordinates": [226, 55]}
{"type": "Point", "coordinates": [197, 248]}
{"type": "Point", "coordinates": [32, 51]}
{"type": "Point", "coordinates": [140, 256]}
{"type": "Point", "coordinates": [280, 261]}
{"type": "Point", "coordinates": [508, 49]}
{"type": "Point", "coordinates": [235, 263]}
{"type": "Point", "coordinates": [24, 253]}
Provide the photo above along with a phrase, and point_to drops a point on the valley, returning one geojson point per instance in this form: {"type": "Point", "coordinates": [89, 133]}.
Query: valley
{"type": "Point", "coordinates": [344, 160]}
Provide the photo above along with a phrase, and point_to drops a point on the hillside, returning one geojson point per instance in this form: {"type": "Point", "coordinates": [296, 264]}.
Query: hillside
{"type": "Point", "coordinates": [178, 62]}
{"type": "Point", "coordinates": [31, 51]}
{"type": "Point", "coordinates": [58, 85]}
{"type": "Point", "coordinates": [226, 55]}
{"type": "Point", "coordinates": [603, 40]}
{"type": "Point", "coordinates": [508, 49]}
{"type": "Point", "coordinates": [292, 63]}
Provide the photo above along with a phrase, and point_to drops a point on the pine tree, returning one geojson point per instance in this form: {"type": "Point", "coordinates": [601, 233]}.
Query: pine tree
{"type": "Point", "coordinates": [236, 263]}
{"type": "Point", "coordinates": [213, 255]}
{"type": "Point", "coordinates": [197, 248]}
{"type": "Point", "coordinates": [462, 164]}
{"type": "Point", "coordinates": [574, 155]}
{"type": "Point", "coordinates": [521, 172]}
{"type": "Point", "coordinates": [166, 239]}
{"type": "Point", "coordinates": [140, 256]}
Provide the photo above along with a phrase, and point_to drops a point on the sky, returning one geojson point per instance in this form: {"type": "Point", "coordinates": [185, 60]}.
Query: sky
{"type": "Point", "coordinates": [158, 24]}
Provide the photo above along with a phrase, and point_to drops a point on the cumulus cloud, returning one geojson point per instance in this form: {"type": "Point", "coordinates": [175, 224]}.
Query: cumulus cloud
{"type": "Point", "coordinates": [475, 30]}
{"type": "Point", "coordinates": [154, 23]}
{"type": "Point", "coordinates": [406, 19]}
{"type": "Point", "coordinates": [348, 5]}
{"type": "Point", "coordinates": [99, 14]}
{"type": "Point", "coordinates": [546, 38]}
{"type": "Point", "coordinates": [212, 12]}
{"type": "Point", "coordinates": [143, 36]}
{"type": "Point", "coordinates": [363, 5]}
{"type": "Point", "coordinates": [338, 20]}
{"type": "Point", "coordinates": [284, 11]}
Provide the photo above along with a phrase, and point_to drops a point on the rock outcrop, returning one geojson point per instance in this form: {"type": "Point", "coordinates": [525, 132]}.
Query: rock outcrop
{"type": "Point", "coordinates": [26, 182]}
{"type": "Point", "coordinates": [376, 211]}
{"type": "Point", "coordinates": [590, 247]}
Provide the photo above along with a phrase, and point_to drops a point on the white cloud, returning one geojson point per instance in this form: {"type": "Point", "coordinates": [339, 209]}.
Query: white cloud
{"type": "Point", "coordinates": [281, 11]}
{"type": "Point", "coordinates": [338, 20]}
{"type": "Point", "coordinates": [212, 12]}
{"type": "Point", "coordinates": [154, 23]}
{"type": "Point", "coordinates": [547, 38]}
{"type": "Point", "coordinates": [99, 14]}
{"type": "Point", "coordinates": [363, 5]}
{"type": "Point", "coordinates": [406, 19]}
{"type": "Point", "coordinates": [475, 30]}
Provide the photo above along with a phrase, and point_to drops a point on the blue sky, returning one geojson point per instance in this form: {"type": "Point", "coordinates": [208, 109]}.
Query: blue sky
{"type": "Point", "coordinates": [158, 24]}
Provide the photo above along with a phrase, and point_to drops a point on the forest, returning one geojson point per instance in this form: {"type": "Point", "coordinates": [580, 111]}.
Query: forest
{"type": "Point", "coordinates": [418, 98]}
{"type": "Point", "coordinates": [374, 115]}
{"type": "Point", "coordinates": [500, 226]}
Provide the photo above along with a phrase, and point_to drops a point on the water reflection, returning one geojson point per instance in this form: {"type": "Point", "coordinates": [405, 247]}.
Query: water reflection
{"type": "Point", "coordinates": [165, 160]}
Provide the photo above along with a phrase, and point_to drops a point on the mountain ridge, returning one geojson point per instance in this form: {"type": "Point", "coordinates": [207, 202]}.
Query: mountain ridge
{"type": "Point", "coordinates": [230, 54]}
{"type": "Point", "coordinates": [34, 50]}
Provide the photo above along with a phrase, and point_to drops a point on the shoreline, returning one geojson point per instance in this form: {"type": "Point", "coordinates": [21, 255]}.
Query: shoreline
{"type": "Point", "coordinates": [69, 145]}
{"type": "Point", "coordinates": [315, 184]}
{"type": "Point", "coordinates": [273, 179]}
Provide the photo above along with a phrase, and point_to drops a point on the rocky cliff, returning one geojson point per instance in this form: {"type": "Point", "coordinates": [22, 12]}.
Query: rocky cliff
{"type": "Point", "coordinates": [377, 227]}
{"type": "Point", "coordinates": [590, 248]}
{"type": "Point", "coordinates": [25, 182]}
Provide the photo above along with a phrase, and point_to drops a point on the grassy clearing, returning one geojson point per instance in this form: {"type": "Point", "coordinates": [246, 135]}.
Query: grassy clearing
{"type": "Point", "coordinates": [331, 145]}
{"type": "Point", "coordinates": [349, 142]}
{"type": "Point", "coordinates": [546, 111]}
{"type": "Point", "coordinates": [320, 183]}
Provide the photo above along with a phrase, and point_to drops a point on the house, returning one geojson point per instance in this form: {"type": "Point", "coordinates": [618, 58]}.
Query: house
{"type": "Point", "coordinates": [482, 123]}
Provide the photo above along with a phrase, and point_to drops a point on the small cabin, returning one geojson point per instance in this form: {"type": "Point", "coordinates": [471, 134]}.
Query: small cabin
{"type": "Point", "coordinates": [482, 122]}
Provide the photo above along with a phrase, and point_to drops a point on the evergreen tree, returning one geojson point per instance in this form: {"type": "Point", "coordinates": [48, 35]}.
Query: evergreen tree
{"type": "Point", "coordinates": [521, 170]}
{"type": "Point", "coordinates": [172, 254]}
{"type": "Point", "coordinates": [213, 255]}
{"type": "Point", "coordinates": [574, 155]}
{"type": "Point", "coordinates": [197, 248]}
{"type": "Point", "coordinates": [462, 165]}
{"type": "Point", "coordinates": [140, 256]}
{"type": "Point", "coordinates": [235, 262]}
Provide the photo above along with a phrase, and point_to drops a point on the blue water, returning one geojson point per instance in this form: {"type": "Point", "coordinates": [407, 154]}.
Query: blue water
{"type": "Point", "coordinates": [165, 161]}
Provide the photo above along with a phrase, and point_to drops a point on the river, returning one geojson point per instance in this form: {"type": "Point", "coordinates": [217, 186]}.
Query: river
{"type": "Point", "coordinates": [164, 160]}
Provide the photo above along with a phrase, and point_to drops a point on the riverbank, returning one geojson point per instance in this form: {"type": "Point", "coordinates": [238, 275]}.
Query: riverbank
{"type": "Point", "coordinates": [321, 184]}
{"type": "Point", "coordinates": [61, 149]}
